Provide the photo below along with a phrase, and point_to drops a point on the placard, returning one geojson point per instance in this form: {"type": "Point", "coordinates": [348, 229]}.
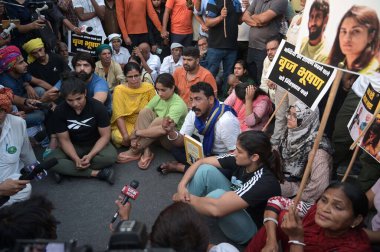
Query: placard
{"type": "Point", "coordinates": [193, 148]}
{"type": "Point", "coordinates": [360, 119]}
{"type": "Point", "coordinates": [302, 77]}
{"type": "Point", "coordinates": [83, 43]}
{"type": "Point", "coordinates": [342, 34]}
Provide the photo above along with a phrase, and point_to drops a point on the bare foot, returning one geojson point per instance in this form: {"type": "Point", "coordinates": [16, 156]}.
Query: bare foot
{"type": "Point", "coordinates": [172, 166]}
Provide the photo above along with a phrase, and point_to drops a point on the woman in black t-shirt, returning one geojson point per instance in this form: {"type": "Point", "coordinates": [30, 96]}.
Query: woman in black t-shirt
{"type": "Point", "coordinates": [238, 202]}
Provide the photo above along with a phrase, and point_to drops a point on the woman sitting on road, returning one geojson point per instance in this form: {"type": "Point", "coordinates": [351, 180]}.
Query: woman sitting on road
{"type": "Point", "coordinates": [294, 149]}
{"type": "Point", "coordinates": [128, 99]}
{"type": "Point", "coordinates": [239, 202]}
{"type": "Point", "coordinates": [148, 126]}
{"type": "Point", "coordinates": [252, 105]}
{"type": "Point", "coordinates": [332, 224]}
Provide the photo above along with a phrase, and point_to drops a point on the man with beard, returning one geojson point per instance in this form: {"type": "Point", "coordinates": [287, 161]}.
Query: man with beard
{"type": "Point", "coordinates": [14, 75]}
{"type": "Point", "coordinates": [42, 65]}
{"type": "Point", "coordinates": [192, 73]}
{"type": "Point", "coordinates": [173, 61]}
{"type": "Point", "coordinates": [214, 123]}
{"type": "Point", "coordinates": [313, 47]}
{"type": "Point", "coordinates": [97, 88]}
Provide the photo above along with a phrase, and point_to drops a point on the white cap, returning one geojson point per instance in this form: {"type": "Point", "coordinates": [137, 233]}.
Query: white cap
{"type": "Point", "coordinates": [223, 247]}
{"type": "Point", "coordinates": [175, 45]}
{"type": "Point", "coordinates": [114, 35]}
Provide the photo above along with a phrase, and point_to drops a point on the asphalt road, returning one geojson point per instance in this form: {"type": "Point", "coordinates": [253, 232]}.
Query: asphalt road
{"type": "Point", "coordinates": [85, 206]}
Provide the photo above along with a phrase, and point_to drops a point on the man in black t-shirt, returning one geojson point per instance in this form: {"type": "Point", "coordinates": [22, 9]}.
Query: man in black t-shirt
{"type": "Point", "coordinates": [42, 65]}
{"type": "Point", "coordinates": [83, 128]}
{"type": "Point", "coordinates": [222, 44]}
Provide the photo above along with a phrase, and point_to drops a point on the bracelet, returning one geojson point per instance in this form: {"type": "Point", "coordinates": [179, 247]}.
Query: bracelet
{"type": "Point", "coordinates": [295, 242]}
{"type": "Point", "coordinates": [175, 138]}
{"type": "Point", "coordinates": [270, 219]}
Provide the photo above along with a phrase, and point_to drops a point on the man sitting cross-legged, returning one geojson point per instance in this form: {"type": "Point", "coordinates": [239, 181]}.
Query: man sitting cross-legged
{"type": "Point", "coordinates": [215, 123]}
{"type": "Point", "coordinates": [83, 128]}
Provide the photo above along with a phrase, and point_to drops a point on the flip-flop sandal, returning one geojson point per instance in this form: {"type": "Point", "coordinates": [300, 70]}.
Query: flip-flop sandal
{"type": "Point", "coordinates": [144, 163]}
{"type": "Point", "coordinates": [161, 170]}
{"type": "Point", "coordinates": [123, 158]}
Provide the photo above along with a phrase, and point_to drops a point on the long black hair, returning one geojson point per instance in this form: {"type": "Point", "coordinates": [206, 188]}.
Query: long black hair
{"type": "Point", "coordinates": [357, 197]}
{"type": "Point", "coordinates": [180, 227]}
{"type": "Point", "coordinates": [257, 142]}
{"type": "Point", "coordinates": [241, 88]}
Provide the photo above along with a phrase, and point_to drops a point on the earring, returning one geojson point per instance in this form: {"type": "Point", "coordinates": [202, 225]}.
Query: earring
{"type": "Point", "coordinates": [352, 226]}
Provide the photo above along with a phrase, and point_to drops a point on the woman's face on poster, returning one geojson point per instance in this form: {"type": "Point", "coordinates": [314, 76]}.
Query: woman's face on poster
{"type": "Point", "coordinates": [353, 37]}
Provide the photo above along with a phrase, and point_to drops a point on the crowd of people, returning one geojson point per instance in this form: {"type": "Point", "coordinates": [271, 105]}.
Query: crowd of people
{"type": "Point", "coordinates": [170, 69]}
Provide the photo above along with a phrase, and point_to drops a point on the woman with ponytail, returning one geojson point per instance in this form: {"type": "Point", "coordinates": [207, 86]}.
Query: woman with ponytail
{"type": "Point", "coordinates": [238, 201]}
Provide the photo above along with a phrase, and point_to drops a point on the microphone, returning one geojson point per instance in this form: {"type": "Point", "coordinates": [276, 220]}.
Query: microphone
{"type": "Point", "coordinates": [46, 165]}
{"type": "Point", "coordinates": [38, 10]}
{"type": "Point", "coordinates": [129, 192]}
{"type": "Point", "coordinates": [6, 32]}
{"type": "Point", "coordinates": [85, 28]}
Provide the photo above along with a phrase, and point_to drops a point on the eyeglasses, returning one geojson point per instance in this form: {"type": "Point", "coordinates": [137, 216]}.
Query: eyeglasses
{"type": "Point", "coordinates": [202, 44]}
{"type": "Point", "coordinates": [136, 76]}
{"type": "Point", "coordinates": [291, 116]}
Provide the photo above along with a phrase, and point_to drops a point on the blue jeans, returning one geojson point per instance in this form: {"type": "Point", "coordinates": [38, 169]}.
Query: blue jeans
{"type": "Point", "coordinates": [210, 182]}
{"type": "Point", "coordinates": [36, 117]}
{"type": "Point", "coordinates": [228, 57]}
{"type": "Point", "coordinates": [255, 60]}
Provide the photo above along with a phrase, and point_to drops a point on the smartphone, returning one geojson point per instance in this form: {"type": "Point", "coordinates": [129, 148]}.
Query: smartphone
{"type": "Point", "coordinates": [42, 105]}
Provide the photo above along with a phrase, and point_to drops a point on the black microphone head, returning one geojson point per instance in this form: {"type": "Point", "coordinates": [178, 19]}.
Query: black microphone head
{"type": "Point", "coordinates": [39, 168]}
{"type": "Point", "coordinates": [89, 29]}
{"type": "Point", "coordinates": [46, 165]}
{"type": "Point", "coordinates": [134, 184]}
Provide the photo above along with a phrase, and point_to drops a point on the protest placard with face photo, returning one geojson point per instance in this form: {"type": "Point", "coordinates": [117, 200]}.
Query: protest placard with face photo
{"type": "Point", "coordinates": [363, 115]}
{"type": "Point", "coordinates": [342, 34]}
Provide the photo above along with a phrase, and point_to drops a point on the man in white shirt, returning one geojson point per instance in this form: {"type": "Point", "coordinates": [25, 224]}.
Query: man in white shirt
{"type": "Point", "coordinates": [150, 62]}
{"type": "Point", "coordinates": [90, 13]}
{"type": "Point", "coordinates": [173, 61]}
{"type": "Point", "coordinates": [120, 54]}
{"type": "Point", "coordinates": [216, 125]}
{"type": "Point", "coordinates": [15, 152]}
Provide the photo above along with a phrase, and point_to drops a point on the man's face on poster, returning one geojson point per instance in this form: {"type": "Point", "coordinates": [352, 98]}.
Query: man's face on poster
{"type": "Point", "coordinates": [317, 23]}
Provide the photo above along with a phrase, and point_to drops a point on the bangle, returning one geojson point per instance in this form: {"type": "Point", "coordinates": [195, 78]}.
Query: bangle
{"type": "Point", "coordinates": [25, 101]}
{"type": "Point", "coordinates": [175, 138]}
{"type": "Point", "coordinates": [295, 242]}
{"type": "Point", "coordinates": [270, 219]}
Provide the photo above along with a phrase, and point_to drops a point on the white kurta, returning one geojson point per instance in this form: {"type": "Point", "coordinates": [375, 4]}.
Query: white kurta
{"type": "Point", "coordinates": [15, 152]}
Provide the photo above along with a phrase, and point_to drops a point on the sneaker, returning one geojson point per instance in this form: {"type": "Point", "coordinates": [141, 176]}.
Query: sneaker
{"type": "Point", "coordinates": [46, 153]}
{"type": "Point", "coordinates": [107, 174]}
{"type": "Point", "coordinates": [57, 177]}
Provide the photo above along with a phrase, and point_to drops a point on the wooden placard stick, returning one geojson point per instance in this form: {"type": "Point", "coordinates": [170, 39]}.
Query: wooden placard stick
{"type": "Point", "coordinates": [354, 155]}
{"type": "Point", "coordinates": [322, 126]}
{"type": "Point", "coordinates": [377, 111]}
{"type": "Point", "coordinates": [224, 22]}
{"type": "Point", "coordinates": [275, 112]}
